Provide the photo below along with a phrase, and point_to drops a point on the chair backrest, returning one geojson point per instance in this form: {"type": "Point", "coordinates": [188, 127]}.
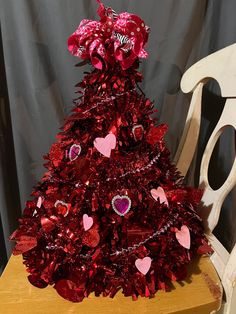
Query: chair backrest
{"type": "Point", "coordinates": [220, 66]}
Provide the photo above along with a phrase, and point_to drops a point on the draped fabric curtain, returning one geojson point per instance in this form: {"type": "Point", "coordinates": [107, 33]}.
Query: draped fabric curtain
{"type": "Point", "coordinates": [37, 78]}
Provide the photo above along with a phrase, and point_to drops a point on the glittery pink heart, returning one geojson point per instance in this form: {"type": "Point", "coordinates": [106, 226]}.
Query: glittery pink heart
{"type": "Point", "coordinates": [159, 193]}
{"type": "Point", "coordinates": [87, 222]}
{"type": "Point", "coordinates": [74, 152]}
{"type": "Point", "coordinates": [183, 236]}
{"type": "Point", "coordinates": [39, 202]}
{"type": "Point", "coordinates": [105, 145]}
{"type": "Point", "coordinates": [121, 204]}
{"type": "Point", "coordinates": [144, 264]}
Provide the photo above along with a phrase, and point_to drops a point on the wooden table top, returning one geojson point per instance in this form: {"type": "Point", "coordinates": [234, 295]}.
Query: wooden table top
{"type": "Point", "coordinates": [200, 293]}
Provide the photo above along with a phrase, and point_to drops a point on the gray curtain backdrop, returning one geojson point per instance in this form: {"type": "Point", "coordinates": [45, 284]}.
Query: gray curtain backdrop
{"type": "Point", "coordinates": [38, 76]}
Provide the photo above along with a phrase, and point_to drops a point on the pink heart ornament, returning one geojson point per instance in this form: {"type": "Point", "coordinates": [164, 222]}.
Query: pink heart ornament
{"type": "Point", "coordinates": [87, 222]}
{"type": "Point", "coordinates": [143, 264]}
{"type": "Point", "coordinates": [159, 193]}
{"type": "Point", "coordinates": [39, 202]}
{"type": "Point", "coordinates": [183, 236]}
{"type": "Point", "coordinates": [105, 145]}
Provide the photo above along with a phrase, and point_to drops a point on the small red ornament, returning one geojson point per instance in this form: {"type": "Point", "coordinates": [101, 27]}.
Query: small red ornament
{"type": "Point", "coordinates": [69, 290]}
{"type": "Point", "coordinates": [91, 238]}
{"type": "Point", "coordinates": [47, 224]}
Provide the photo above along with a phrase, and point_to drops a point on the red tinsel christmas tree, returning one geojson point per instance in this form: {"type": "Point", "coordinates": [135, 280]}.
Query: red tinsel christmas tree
{"type": "Point", "coordinates": [112, 211]}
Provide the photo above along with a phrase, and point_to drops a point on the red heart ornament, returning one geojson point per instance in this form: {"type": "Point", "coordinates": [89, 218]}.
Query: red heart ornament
{"type": "Point", "coordinates": [183, 236]}
{"type": "Point", "coordinates": [137, 131]}
{"type": "Point", "coordinates": [143, 265]}
{"type": "Point", "coordinates": [69, 290]}
{"type": "Point", "coordinates": [105, 145]}
{"type": "Point", "coordinates": [62, 207]}
{"type": "Point", "coordinates": [159, 193]}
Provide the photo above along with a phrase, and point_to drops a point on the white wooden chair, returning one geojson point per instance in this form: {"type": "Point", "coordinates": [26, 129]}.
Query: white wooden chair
{"type": "Point", "coordinates": [221, 66]}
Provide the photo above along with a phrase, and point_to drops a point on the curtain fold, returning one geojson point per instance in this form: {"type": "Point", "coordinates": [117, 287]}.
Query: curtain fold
{"type": "Point", "coordinates": [9, 192]}
{"type": "Point", "coordinates": [38, 78]}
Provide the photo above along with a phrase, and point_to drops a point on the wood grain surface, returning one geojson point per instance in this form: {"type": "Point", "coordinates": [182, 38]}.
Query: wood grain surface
{"type": "Point", "coordinates": [201, 293]}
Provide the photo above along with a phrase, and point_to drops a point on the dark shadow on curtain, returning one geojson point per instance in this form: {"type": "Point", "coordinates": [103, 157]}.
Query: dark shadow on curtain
{"type": "Point", "coordinates": [3, 257]}
{"type": "Point", "coordinates": [9, 193]}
